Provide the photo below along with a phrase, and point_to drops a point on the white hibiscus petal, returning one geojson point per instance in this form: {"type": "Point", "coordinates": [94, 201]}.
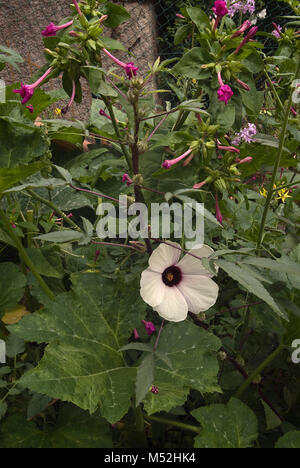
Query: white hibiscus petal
{"type": "Point", "coordinates": [152, 287]}
{"type": "Point", "coordinates": [190, 265]}
{"type": "Point", "coordinates": [200, 292]}
{"type": "Point", "coordinates": [164, 256]}
{"type": "Point", "coordinates": [174, 306]}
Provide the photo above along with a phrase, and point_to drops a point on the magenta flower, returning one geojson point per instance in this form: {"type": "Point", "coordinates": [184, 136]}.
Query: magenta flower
{"type": "Point", "coordinates": [77, 7]}
{"type": "Point", "coordinates": [136, 334]}
{"type": "Point", "coordinates": [154, 390]}
{"type": "Point", "coordinates": [30, 108]}
{"type": "Point", "coordinates": [225, 93]}
{"type": "Point", "coordinates": [131, 70]}
{"type": "Point", "coordinates": [104, 114]}
{"type": "Point", "coordinates": [180, 16]}
{"type": "Point", "coordinates": [127, 179]}
{"type": "Point", "coordinates": [150, 327]}
{"type": "Point", "coordinates": [219, 216]}
{"type": "Point", "coordinates": [26, 91]}
{"type": "Point", "coordinates": [220, 8]}
{"type": "Point", "coordinates": [52, 29]}
{"type": "Point", "coordinates": [129, 67]}
{"type": "Point", "coordinates": [65, 110]}
{"type": "Point", "coordinates": [169, 163]}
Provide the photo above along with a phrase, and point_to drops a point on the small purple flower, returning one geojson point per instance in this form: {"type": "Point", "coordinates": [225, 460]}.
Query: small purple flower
{"type": "Point", "coordinates": [277, 30]}
{"type": "Point", "coordinates": [246, 134]}
{"type": "Point", "coordinates": [244, 6]}
{"type": "Point", "coordinates": [150, 327]}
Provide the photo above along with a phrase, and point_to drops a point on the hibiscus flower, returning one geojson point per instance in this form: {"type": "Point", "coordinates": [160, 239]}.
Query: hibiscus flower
{"type": "Point", "coordinates": [173, 286]}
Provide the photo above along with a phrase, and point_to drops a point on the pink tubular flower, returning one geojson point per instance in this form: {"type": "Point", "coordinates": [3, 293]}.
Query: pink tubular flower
{"type": "Point", "coordinates": [294, 112]}
{"type": "Point", "coordinates": [180, 16]}
{"type": "Point", "coordinates": [219, 216]}
{"type": "Point", "coordinates": [52, 29]}
{"type": "Point", "coordinates": [169, 163]}
{"type": "Point", "coordinates": [246, 25]}
{"type": "Point", "coordinates": [129, 67]}
{"type": "Point", "coordinates": [65, 110]}
{"type": "Point", "coordinates": [127, 179]}
{"type": "Point", "coordinates": [245, 160]}
{"type": "Point", "coordinates": [243, 85]}
{"type": "Point", "coordinates": [136, 334]}
{"type": "Point", "coordinates": [249, 36]}
{"type": "Point", "coordinates": [199, 186]}
{"type": "Point", "coordinates": [26, 91]}
{"type": "Point", "coordinates": [150, 327]}
{"type": "Point", "coordinates": [231, 149]}
{"type": "Point", "coordinates": [77, 7]}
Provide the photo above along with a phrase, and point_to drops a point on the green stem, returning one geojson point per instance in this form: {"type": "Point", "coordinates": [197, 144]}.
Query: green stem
{"type": "Point", "coordinates": [258, 370]}
{"type": "Point", "coordinates": [54, 208]}
{"type": "Point", "coordinates": [24, 256]}
{"type": "Point", "coordinates": [116, 128]}
{"type": "Point", "coordinates": [274, 91]}
{"type": "Point", "coordinates": [185, 427]}
{"type": "Point", "coordinates": [276, 165]}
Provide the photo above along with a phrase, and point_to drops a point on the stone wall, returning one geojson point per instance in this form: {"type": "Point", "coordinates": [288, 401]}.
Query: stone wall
{"type": "Point", "coordinates": [21, 23]}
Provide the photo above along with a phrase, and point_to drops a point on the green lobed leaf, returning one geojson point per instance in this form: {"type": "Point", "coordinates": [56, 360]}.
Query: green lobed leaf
{"type": "Point", "coordinates": [226, 426]}
{"type": "Point", "coordinates": [13, 284]}
{"type": "Point", "coordinates": [74, 428]}
{"type": "Point", "coordinates": [289, 440]}
{"type": "Point", "coordinates": [192, 352]}
{"type": "Point", "coordinates": [250, 283]}
{"type": "Point", "coordinates": [85, 329]}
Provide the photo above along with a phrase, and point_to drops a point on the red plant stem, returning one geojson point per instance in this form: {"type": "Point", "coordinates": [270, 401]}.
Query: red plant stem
{"type": "Point", "coordinates": [94, 193]}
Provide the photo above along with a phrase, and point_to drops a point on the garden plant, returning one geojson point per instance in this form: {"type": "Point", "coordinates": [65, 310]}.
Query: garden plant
{"type": "Point", "coordinates": [120, 325]}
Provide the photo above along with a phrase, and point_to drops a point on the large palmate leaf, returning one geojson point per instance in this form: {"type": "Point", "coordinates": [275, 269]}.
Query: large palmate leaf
{"type": "Point", "coordinates": [12, 286]}
{"type": "Point", "coordinates": [85, 329]}
{"type": "Point", "coordinates": [74, 429]}
{"type": "Point", "coordinates": [230, 426]}
{"type": "Point", "coordinates": [20, 143]}
{"type": "Point", "coordinates": [192, 353]}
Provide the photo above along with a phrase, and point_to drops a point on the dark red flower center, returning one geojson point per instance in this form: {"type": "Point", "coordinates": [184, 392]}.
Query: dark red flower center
{"type": "Point", "coordinates": [172, 276]}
